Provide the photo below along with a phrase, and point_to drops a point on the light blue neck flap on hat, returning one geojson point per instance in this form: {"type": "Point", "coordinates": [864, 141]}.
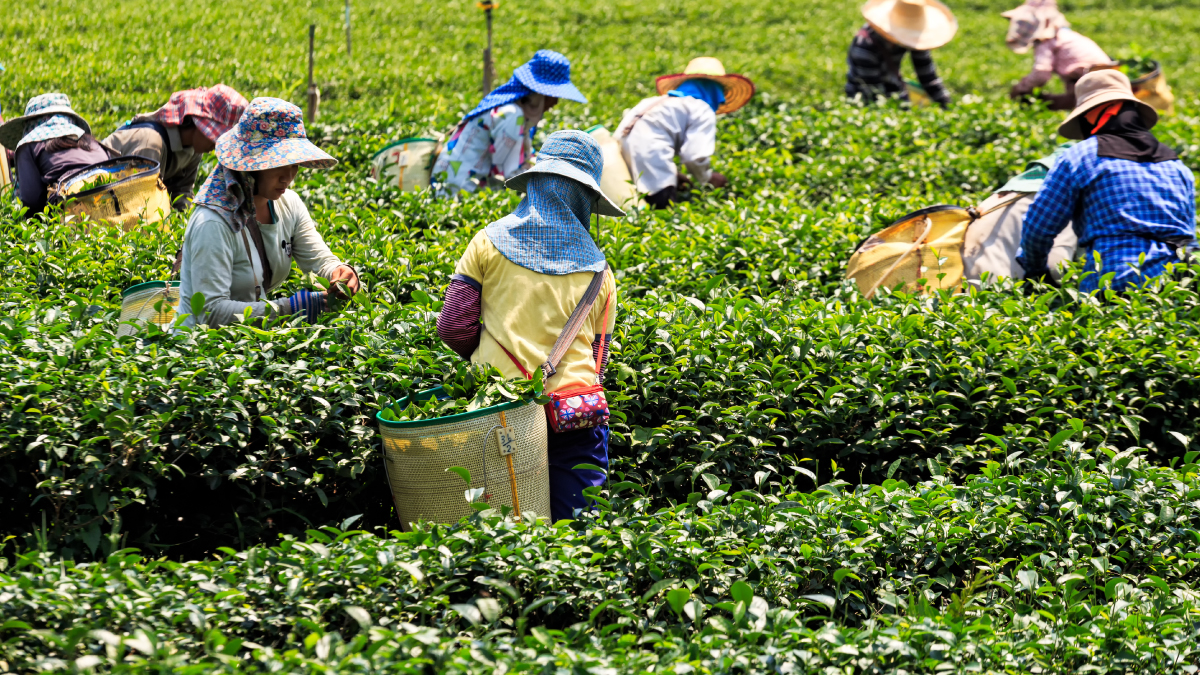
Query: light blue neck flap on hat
{"type": "Point", "coordinates": [548, 231]}
{"type": "Point", "coordinates": [46, 128]}
{"type": "Point", "coordinates": [708, 91]}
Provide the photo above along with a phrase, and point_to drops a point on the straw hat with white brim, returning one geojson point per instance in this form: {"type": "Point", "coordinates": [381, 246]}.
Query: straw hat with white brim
{"type": "Point", "coordinates": [738, 88]}
{"type": "Point", "coordinates": [1098, 88]}
{"type": "Point", "coordinates": [575, 155]}
{"type": "Point", "coordinates": [42, 106]}
{"type": "Point", "coordinates": [916, 24]}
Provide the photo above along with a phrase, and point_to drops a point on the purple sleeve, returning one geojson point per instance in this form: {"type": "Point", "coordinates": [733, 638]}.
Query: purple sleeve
{"type": "Point", "coordinates": [458, 324]}
{"type": "Point", "coordinates": [33, 186]}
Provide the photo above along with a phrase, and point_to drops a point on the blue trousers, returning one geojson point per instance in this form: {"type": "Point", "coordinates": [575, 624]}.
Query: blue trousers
{"type": "Point", "coordinates": [567, 450]}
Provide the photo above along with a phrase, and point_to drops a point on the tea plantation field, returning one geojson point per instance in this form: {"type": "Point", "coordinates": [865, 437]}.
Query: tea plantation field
{"type": "Point", "coordinates": [1004, 481]}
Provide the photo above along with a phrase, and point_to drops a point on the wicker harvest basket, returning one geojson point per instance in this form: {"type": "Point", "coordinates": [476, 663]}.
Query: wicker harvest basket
{"type": "Point", "coordinates": [407, 163]}
{"type": "Point", "coordinates": [921, 245]}
{"type": "Point", "coordinates": [417, 454]}
{"type": "Point", "coordinates": [132, 192]}
{"type": "Point", "coordinates": [155, 302]}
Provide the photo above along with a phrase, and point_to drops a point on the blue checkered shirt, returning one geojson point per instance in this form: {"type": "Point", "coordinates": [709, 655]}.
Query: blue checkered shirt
{"type": "Point", "coordinates": [1121, 209]}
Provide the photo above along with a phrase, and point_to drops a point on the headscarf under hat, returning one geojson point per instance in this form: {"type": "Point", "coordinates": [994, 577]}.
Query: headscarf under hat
{"type": "Point", "coordinates": [548, 73]}
{"type": "Point", "coordinates": [708, 91]}
{"type": "Point", "coordinates": [46, 128]}
{"type": "Point", "coordinates": [548, 231]}
{"type": "Point", "coordinates": [1034, 21]}
{"type": "Point", "coordinates": [214, 110]}
{"type": "Point", "coordinates": [46, 116]}
{"type": "Point", "coordinates": [1122, 134]}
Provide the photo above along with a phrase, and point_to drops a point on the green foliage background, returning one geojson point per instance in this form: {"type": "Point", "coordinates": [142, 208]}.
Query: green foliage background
{"type": "Point", "coordinates": [802, 480]}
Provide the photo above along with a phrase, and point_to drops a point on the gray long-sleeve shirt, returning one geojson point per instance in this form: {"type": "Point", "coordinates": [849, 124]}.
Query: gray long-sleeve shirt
{"type": "Point", "coordinates": [216, 261]}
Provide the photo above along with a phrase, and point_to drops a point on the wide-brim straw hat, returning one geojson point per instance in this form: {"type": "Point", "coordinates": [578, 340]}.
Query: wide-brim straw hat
{"type": "Point", "coordinates": [916, 24]}
{"type": "Point", "coordinates": [738, 89]}
{"type": "Point", "coordinates": [12, 131]}
{"type": "Point", "coordinates": [269, 135]}
{"type": "Point", "coordinates": [575, 155]}
{"type": "Point", "coordinates": [1098, 88]}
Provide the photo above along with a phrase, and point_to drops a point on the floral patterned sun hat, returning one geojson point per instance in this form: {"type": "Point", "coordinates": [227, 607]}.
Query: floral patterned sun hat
{"type": "Point", "coordinates": [269, 135]}
{"type": "Point", "coordinates": [46, 116]}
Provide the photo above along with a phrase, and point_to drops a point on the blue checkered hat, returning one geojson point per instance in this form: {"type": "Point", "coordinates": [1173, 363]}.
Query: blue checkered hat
{"type": "Point", "coordinates": [549, 74]}
{"type": "Point", "coordinates": [575, 155]}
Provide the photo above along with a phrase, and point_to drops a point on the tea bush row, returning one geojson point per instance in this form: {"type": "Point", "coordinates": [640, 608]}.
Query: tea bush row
{"type": "Point", "coordinates": [1089, 562]}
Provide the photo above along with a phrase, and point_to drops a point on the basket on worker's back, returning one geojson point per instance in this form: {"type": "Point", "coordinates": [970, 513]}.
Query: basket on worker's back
{"type": "Point", "coordinates": [1153, 90]}
{"type": "Point", "coordinates": [122, 190]}
{"type": "Point", "coordinates": [615, 181]}
{"type": "Point", "coordinates": [407, 163]}
{"type": "Point", "coordinates": [417, 453]}
{"type": "Point", "coordinates": [155, 302]}
{"type": "Point", "coordinates": [922, 245]}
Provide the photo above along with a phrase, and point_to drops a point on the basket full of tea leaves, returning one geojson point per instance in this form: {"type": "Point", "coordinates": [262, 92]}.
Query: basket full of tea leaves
{"type": "Point", "coordinates": [477, 424]}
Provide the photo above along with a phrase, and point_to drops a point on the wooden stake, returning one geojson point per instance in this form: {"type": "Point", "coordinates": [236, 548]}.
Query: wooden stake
{"type": "Point", "coordinates": [489, 68]}
{"type": "Point", "coordinates": [347, 27]}
{"type": "Point", "coordinates": [314, 96]}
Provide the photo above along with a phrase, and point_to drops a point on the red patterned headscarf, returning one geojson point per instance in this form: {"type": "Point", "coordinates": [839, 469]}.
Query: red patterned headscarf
{"type": "Point", "coordinates": [214, 109]}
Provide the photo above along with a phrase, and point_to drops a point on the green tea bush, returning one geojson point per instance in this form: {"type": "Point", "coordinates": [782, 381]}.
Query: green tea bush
{"type": "Point", "coordinates": [1081, 563]}
{"type": "Point", "coordinates": [999, 481]}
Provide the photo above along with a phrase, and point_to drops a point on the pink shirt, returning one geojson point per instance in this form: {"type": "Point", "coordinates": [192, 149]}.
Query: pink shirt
{"type": "Point", "coordinates": [1069, 54]}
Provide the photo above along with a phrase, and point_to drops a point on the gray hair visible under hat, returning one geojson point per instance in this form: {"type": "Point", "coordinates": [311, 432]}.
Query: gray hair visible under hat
{"type": "Point", "coordinates": [576, 155]}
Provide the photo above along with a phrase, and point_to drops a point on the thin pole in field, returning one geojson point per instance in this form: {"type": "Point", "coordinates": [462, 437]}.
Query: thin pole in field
{"type": "Point", "coordinates": [347, 27]}
{"type": "Point", "coordinates": [314, 96]}
{"type": "Point", "coordinates": [489, 68]}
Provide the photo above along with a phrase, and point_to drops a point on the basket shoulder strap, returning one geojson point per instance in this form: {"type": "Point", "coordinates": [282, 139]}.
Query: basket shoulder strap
{"type": "Point", "coordinates": [574, 323]}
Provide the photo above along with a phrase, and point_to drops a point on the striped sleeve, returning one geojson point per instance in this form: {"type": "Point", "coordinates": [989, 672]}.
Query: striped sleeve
{"type": "Point", "coordinates": [927, 75]}
{"type": "Point", "coordinates": [458, 324]}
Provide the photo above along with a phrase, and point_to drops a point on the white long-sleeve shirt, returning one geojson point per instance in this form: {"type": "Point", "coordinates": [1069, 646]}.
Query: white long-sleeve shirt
{"type": "Point", "coordinates": [215, 260]}
{"type": "Point", "coordinates": [679, 125]}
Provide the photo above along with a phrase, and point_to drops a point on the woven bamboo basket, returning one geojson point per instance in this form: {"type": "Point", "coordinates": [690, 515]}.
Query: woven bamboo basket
{"type": "Point", "coordinates": [417, 454]}
{"type": "Point", "coordinates": [133, 192]}
{"type": "Point", "coordinates": [921, 245]}
{"type": "Point", "coordinates": [407, 163]}
{"type": "Point", "coordinates": [153, 302]}
{"type": "Point", "coordinates": [615, 181]}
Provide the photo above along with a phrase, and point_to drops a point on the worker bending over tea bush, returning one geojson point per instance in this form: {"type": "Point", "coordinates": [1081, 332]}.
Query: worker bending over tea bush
{"type": "Point", "coordinates": [1130, 195]}
{"type": "Point", "coordinates": [51, 140]}
{"type": "Point", "coordinates": [1056, 49]}
{"type": "Point", "coordinates": [514, 291]}
{"type": "Point", "coordinates": [895, 28]}
{"type": "Point", "coordinates": [495, 140]}
{"type": "Point", "coordinates": [681, 121]}
{"type": "Point", "coordinates": [179, 134]}
{"type": "Point", "coordinates": [248, 227]}
{"type": "Point", "coordinates": [992, 243]}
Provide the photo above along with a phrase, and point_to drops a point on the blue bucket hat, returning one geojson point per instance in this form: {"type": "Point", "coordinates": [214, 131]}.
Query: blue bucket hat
{"type": "Point", "coordinates": [575, 155]}
{"type": "Point", "coordinates": [548, 73]}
